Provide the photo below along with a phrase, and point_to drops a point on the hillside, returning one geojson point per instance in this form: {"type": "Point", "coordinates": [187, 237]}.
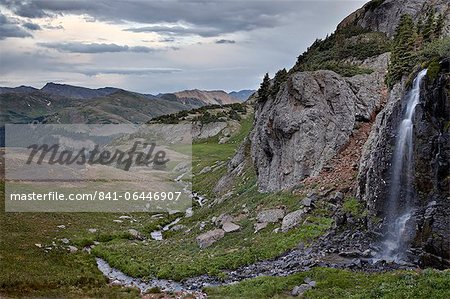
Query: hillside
{"type": "Point", "coordinates": [76, 92]}
{"type": "Point", "coordinates": [215, 97]}
{"type": "Point", "coordinates": [242, 95]}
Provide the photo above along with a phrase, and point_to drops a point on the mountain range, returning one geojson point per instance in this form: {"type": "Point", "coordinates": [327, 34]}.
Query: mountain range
{"type": "Point", "coordinates": [63, 103]}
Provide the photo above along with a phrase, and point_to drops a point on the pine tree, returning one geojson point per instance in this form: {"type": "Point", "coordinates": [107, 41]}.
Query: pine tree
{"type": "Point", "coordinates": [402, 56]}
{"type": "Point", "coordinates": [279, 78]}
{"type": "Point", "coordinates": [264, 89]}
{"type": "Point", "coordinates": [439, 26]}
{"type": "Point", "coordinates": [429, 27]}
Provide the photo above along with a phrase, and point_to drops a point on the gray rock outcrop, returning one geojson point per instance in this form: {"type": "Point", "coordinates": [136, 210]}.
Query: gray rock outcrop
{"type": "Point", "coordinates": [270, 216]}
{"type": "Point", "coordinates": [385, 15]}
{"type": "Point", "coordinates": [210, 237]}
{"type": "Point", "coordinates": [309, 121]}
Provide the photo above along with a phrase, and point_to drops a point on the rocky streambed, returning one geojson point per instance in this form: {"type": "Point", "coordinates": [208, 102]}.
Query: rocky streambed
{"type": "Point", "coordinates": [343, 250]}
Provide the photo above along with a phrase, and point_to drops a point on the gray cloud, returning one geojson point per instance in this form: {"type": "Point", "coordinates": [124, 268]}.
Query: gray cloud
{"type": "Point", "coordinates": [126, 71]}
{"type": "Point", "coordinates": [74, 47]}
{"type": "Point", "coordinates": [209, 18]}
{"type": "Point", "coordinates": [225, 41]}
{"type": "Point", "coordinates": [32, 26]}
{"type": "Point", "coordinates": [9, 28]}
{"type": "Point", "coordinates": [275, 33]}
{"type": "Point", "coordinates": [177, 30]}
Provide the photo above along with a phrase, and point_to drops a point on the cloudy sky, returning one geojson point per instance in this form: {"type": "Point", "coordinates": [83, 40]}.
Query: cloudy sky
{"type": "Point", "coordinates": [158, 46]}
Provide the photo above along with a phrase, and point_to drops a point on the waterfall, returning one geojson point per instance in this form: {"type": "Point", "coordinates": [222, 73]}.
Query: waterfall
{"type": "Point", "coordinates": [400, 204]}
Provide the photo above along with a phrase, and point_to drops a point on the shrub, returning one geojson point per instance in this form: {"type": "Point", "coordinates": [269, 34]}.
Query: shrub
{"type": "Point", "coordinates": [348, 42]}
{"type": "Point", "coordinates": [354, 207]}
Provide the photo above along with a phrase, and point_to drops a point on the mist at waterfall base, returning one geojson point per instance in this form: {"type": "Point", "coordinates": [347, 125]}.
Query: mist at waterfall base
{"type": "Point", "coordinates": [400, 205]}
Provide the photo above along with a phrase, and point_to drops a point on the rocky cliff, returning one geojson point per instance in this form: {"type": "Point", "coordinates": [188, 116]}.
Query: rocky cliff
{"type": "Point", "coordinates": [314, 115]}
{"type": "Point", "coordinates": [384, 15]}
{"type": "Point", "coordinates": [431, 166]}
{"type": "Point", "coordinates": [309, 121]}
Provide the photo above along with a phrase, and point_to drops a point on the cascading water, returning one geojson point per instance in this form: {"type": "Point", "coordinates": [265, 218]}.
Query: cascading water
{"type": "Point", "coordinates": [400, 202]}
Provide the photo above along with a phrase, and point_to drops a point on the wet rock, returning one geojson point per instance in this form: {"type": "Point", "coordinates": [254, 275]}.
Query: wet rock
{"type": "Point", "coordinates": [210, 237]}
{"type": "Point", "coordinates": [270, 216]}
{"type": "Point", "coordinates": [337, 197]}
{"type": "Point", "coordinates": [292, 220]}
{"type": "Point", "coordinates": [259, 226]}
{"type": "Point", "coordinates": [229, 227]}
{"type": "Point", "coordinates": [354, 253]}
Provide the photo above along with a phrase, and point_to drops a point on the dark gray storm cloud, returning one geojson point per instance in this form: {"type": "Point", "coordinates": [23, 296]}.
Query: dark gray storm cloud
{"type": "Point", "coordinates": [225, 41]}
{"type": "Point", "coordinates": [9, 28]}
{"type": "Point", "coordinates": [32, 26]}
{"type": "Point", "coordinates": [75, 47]}
{"type": "Point", "coordinates": [209, 18]}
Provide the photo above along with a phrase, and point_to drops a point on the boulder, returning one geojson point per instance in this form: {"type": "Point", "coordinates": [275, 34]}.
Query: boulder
{"type": "Point", "coordinates": [337, 197]}
{"type": "Point", "coordinates": [259, 226]}
{"type": "Point", "coordinates": [229, 227]}
{"type": "Point", "coordinates": [299, 290]}
{"type": "Point", "coordinates": [292, 220]}
{"type": "Point", "coordinates": [223, 218]}
{"type": "Point", "coordinates": [178, 227]}
{"type": "Point", "coordinates": [210, 237]}
{"type": "Point", "coordinates": [72, 249]}
{"type": "Point", "coordinates": [307, 202]}
{"type": "Point", "coordinates": [135, 234]}
{"type": "Point", "coordinates": [270, 216]}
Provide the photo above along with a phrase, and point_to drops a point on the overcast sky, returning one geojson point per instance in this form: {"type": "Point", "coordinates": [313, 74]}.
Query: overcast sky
{"type": "Point", "coordinates": [158, 46]}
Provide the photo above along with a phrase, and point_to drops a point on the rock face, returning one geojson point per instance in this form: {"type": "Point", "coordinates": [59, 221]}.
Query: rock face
{"type": "Point", "coordinates": [431, 140]}
{"type": "Point", "coordinates": [385, 15]}
{"type": "Point", "coordinates": [309, 121]}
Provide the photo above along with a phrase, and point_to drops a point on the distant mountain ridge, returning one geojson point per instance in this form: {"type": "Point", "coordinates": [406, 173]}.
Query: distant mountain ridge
{"type": "Point", "coordinates": [63, 103]}
{"type": "Point", "coordinates": [191, 97]}
{"type": "Point", "coordinates": [214, 97]}
{"type": "Point", "coordinates": [19, 89]}
{"type": "Point", "coordinates": [77, 92]}
{"type": "Point", "coordinates": [242, 95]}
